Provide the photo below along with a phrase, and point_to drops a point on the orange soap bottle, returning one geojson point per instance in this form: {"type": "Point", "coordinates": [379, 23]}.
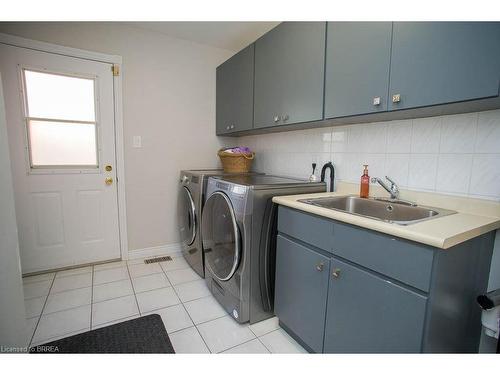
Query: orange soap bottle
{"type": "Point", "coordinates": [364, 191]}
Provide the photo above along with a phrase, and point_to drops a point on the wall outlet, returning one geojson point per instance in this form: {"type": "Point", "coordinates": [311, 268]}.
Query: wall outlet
{"type": "Point", "coordinates": [136, 141]}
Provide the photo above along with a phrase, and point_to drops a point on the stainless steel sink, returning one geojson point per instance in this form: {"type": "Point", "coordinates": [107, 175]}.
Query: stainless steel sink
{"type": "Point", "coordinates": [400, 213]}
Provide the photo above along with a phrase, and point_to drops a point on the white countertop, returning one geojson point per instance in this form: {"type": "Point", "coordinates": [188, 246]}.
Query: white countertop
{"type": "Point", "coordinates": [442, 232]}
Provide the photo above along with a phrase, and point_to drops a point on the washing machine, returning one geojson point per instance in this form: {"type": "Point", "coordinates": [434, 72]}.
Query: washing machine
{"type": "Point", "coordinates": [239, 240]}
{"type": "Point", "coordinates": [191, 197]}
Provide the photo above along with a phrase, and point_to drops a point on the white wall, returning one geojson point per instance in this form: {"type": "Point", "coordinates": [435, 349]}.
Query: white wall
{"type": "Point", "coordinates": [168, 99]}
{"type": "Point", "coordinates": [457, 154]}
{"type": "Point", "coordinates": [12, 315]}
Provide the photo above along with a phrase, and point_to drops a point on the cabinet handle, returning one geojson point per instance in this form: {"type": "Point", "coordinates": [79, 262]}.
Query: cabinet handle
{"type": "Point", "coordinates": [336, 273]}
{"type": "Point", "coordinates": [227, 127]}
{"type": "Point", "coordinates": [376, 100]}
{"type": "Point", "coordinates": [284, 117]}
{"type": "Point", "coordinates": [396, 98]}
{"type": "Point", "coordinates": [232, 126]}
{"type": "Point", "coordinates": [277, 118]}
{"type": "Point", "coordinates": [320, 267]}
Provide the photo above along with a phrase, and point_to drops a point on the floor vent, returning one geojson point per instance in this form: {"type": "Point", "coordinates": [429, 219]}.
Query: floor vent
{"type": "Point", "coordinates": [158, 259]}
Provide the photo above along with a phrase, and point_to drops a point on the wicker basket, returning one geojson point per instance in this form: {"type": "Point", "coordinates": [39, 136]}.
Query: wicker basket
{"type": "Point", "coordinates": [236, 163]}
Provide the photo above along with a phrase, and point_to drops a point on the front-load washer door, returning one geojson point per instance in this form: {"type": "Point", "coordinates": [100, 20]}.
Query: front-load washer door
{"type": "Point", "coordinates": [187, 217]}
{"type": "Point", "coordinates": [221, 240]}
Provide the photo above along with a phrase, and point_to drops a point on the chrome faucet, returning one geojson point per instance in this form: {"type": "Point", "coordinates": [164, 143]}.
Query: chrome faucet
{"type": "Point", "coordinates": [393, 190]}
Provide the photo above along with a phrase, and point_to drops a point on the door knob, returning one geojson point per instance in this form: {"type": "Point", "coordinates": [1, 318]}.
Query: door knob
{"type": "Point", "coordinates": [108, 168]}
{"type": "Point", "coordinates": [108, 181]}
{"type": "Point", "coordinates": [336, 273]}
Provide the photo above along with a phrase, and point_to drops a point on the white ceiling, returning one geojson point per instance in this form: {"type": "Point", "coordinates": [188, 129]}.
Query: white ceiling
{"type": "Point", "coordinates": [232, 36]}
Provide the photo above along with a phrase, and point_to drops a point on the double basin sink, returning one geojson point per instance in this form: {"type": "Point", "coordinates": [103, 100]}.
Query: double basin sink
{"type": "Point", "coordinates": [391, 211]}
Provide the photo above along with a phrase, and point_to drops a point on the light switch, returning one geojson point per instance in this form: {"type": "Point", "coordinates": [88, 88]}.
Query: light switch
{"type": "Point", "coordinates": [137, 141]}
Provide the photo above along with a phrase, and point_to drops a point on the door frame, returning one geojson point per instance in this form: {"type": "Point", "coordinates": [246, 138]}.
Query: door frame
{"type": "Point", "coordinates": [118, 115]}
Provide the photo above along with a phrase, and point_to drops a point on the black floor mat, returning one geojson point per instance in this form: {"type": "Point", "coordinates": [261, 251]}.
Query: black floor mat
{"type": "Point", "coordinates": [142, 335]}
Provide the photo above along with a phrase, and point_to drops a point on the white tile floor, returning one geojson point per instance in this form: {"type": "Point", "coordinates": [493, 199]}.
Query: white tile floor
{"type": "Point", "coordinates": [68, 302]}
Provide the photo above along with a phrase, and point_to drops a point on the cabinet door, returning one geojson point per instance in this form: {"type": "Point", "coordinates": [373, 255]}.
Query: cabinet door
{"type": "Point", "coordinates": [369, 314]}
{"type": "Point", "coordinates": [234, 107]}
{"type": "Point", "coordinates": [289, 74]}
{"type": "Point", "coordinates": [301, 291]}
{"type": "Point", "coordinates": [357, 68]}
{"type": "Point", "coordinates": [443, 62]}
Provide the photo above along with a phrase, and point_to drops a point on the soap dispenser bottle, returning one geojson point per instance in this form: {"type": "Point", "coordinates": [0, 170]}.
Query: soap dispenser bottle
{"type": "Point", "coordinates": [364, 190]}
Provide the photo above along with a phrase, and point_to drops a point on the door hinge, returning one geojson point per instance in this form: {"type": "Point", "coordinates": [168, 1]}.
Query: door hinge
{"type": "Point", "coordinates": [115, 69]}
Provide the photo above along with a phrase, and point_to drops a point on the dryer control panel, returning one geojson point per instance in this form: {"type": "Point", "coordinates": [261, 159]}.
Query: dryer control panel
{"type": "Point", "coordinates": [237, 194]}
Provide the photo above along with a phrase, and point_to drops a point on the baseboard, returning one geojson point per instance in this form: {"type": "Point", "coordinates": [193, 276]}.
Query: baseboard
{"type": "Point", "coordinates": [173, 249]}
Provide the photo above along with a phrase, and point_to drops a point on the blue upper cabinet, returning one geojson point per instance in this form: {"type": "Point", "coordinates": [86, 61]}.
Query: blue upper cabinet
{"type": "Point", "coordinates": [443, 62]}
{"type": "Point", "coordinates": [357, 68]}
{"type": "Point", "coordinates": [305, 72]}
{"type": "Point", "coordinates": [234, 101]}
{"type": "Point", "coordinates": [289, 74]}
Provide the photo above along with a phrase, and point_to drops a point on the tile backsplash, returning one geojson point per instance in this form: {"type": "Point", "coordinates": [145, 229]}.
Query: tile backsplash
{"type": "Point", "coordinates": [456, 154]}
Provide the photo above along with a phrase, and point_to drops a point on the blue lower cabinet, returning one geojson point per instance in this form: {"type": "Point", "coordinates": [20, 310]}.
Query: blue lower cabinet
{"type": "Point", "coordinates": [302, 289]}
{"type": "Point", "coordinates": [346, 289]}
{"type": "Point", "coordinates": [370, 314]}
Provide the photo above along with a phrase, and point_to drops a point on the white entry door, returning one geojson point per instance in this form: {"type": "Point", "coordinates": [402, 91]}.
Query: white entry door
{"type": "Point", "coordinates": [60, 123]}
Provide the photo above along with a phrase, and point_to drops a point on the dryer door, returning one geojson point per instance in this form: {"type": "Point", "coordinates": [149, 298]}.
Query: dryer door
{"type": "Point", "coordinates": [187, 217]}
{"type": "Point", "coordinates": [221, 240]}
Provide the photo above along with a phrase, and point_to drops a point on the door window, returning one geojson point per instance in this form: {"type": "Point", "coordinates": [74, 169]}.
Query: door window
{"type": "Point", "coordinates": [187, 217]}
{"type": "Point", "coordinates": [220, 236]}
{"type": "Point", "coordinates": [60, 114]}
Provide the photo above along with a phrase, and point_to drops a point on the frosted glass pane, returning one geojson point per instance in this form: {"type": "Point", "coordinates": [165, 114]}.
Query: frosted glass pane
{"type": "Point", "coordinates": [59, 97]}
{"type": "Point", "coordinates": [56, 143]}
